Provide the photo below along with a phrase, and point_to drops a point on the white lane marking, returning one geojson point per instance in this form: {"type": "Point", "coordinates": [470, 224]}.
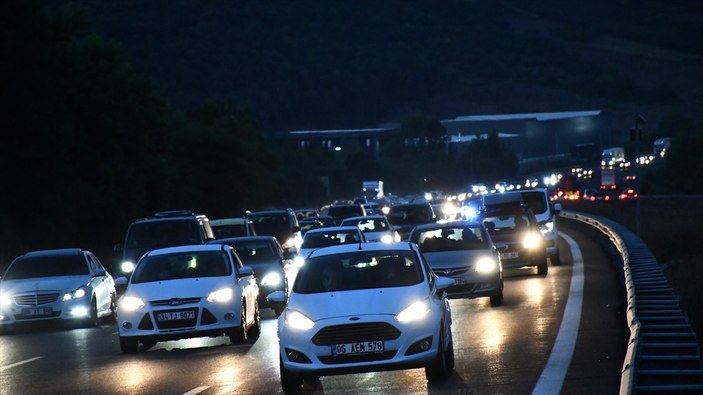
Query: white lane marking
{"type": "Point", "coordinates": [4, 368]}
{"type": "Point", "coordinates": [552, 378]}
{"type": "Point", "coordinates": [197, 390]}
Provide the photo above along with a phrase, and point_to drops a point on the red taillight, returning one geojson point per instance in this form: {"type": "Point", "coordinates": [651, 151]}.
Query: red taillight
{"type": "Point", "coordinates": [607, 198]}
{"type": "Point", "coordinates": [593, 198]}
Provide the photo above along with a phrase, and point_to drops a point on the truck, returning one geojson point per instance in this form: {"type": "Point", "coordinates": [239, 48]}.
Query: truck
{"type": "Point", "coordinates": [372, 189]}
{"type": "Point", "coordinates": [607, 180]}
{"type": "Point", "coordinates": [661, 145]}
{"type": "Point", "coordinates": [611, 157]}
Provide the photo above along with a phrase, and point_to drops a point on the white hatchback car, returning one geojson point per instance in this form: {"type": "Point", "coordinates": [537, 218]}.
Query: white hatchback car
{"type": "Point", "coordinates": [361, 308]}
{"type": "Point", "coordinates": [69, 285]}
{"type": "Point", "coordinates": [188, 291]}
{"type": "Point", "coordinates": [375, 227]}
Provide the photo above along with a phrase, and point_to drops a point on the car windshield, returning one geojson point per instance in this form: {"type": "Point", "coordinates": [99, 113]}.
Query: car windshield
{"type": "Point", "coordinates": [47, 266]}
{"type": "Point", "coordinates": [507, 223]}
{"type": "Point", "coordinates": [358, 270]}
{"type": "Point", "coordinates": [536, 201]}
{"type": "Point", "coordinates": [231, 230]}
{"type": "Point", "coordinates": [276, 225]}
{"type": "Point", "coordinates": [367, 225]}
{"type": "Point", "coordinates": [403, 215]}
{"type": "Point", "coordinates": [182, 265]}
{"type": "Point", "coordinates": [451, 239]}
{"type": "Point", "coordinates": [158, 234]}
{"type": "Point", "coordinates": [328, 239]}
{"type": "Point", "coordinates": [345, 211]}
{"type": "Point", "coordinates": [254, 251]}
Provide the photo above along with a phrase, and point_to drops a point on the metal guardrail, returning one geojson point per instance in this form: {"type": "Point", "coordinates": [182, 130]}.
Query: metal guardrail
{"type": "Point", "coordinates": [663, 354]}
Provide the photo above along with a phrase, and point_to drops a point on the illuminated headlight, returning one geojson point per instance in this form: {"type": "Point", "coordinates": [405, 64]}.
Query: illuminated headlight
{"type": "Point", "coordinates": [77, 294]}
{"type": "Point", "coordinates": [297, 320]}
{"type": "Point", "coordinates": [387, 239]}
{"type": "Point", "coordinates": [5, 300]}
{"type": "Point", "coordinates": [131, 303]}
{"type": "Point", "coordinates": [298, 261]}
{"type": "Point", "coordinates": [531, 240]}
{"type": "Point", "coordinates": [485, 265]}
{"type": "Point", "coordinates": [289, 243]}
{"type": "Point", "coordinates": [385, 210]}
{"type": "Point", "coordinates": [272, 279]}
{"type": "Point", "coordinates": [469, 212]}
{"type": "Point", "coordinates": [414, 312]}
{"type": "Point", "coordinates": [221, 295]}
{"type": "Point", "coordinates": [547, 227]}
{"type": "Point", "coordinates": [127, 266]}
{"type": "Point", "coordinates": [81, 311]}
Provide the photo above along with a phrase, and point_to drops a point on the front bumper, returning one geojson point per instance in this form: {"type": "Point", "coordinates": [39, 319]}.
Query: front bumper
{"type": "Point", "coordinates": [54, 309]}
{"type": "Point", "coordinates": [514, 255]}
{"type": "Point", "coordinates": [470, 284]}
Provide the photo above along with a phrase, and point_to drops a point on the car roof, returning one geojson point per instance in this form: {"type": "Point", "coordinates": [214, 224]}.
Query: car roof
{"type": "Point", "coordinates": [370, 246]}
{"type": "Point", "coordinates": [332, 229]}
{"type": "Point", "coordinates": [60, 251]}
{"type": "Point", "coordinates": [452, 224]}
{"type": "Point", "coordinates": [365, 217]}
{"type": "Point", "coordinates": [229, 221]}
{"type": "Point", "coordinates": [226, 240]}
{"type": "Point", "coordinates": [186, 248]}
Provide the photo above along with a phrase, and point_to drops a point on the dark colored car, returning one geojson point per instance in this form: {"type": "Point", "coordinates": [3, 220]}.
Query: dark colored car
{"type": "Point", "coordinates": [404, 217]}
{"type": "Point", "coordinates": [515, 233]}
{"type": "Point", "coordinates": [281, 224]}
{"type": "Point", "coordinates": [269, 260]}
{"type": "Point", "coordinates": [341, 211]}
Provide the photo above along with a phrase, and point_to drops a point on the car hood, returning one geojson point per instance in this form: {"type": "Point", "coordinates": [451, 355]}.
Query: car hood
{"type": "Point", "coordinates": [454, 259]}
{"type": "Point", "coordinates": [61, 284]}
{"type": "Point", "coordinates": [357, 302]}
{"type": "Point", "coordinates": [181, 288]}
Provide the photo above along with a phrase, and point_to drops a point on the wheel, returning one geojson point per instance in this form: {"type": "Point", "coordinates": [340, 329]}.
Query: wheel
{"type": "Point", "coordinates": [555, 258]}
{"type": "Point", "coordinates": [437, 369]}
{"type": "Point", "coordinates": [92, 320]}
{"type": "Point", "coordinates": [542, 267]}
{"type": "Point", "coordinates": [278, 308]}
{"type": "Point", "coordinates": [255, 329]}
{"type": "Point", "coordinates": [497, 299]}
{"type": "Point", "coordinates": [238, 334]}
{"type": "Point", "coordinates": [290, 381]}
{"type": "Point", "coordinates": [129, 345]}
{"type": "Point", "coordinates": [112, 317]}
{"type": "Point", "coordinates": [450, 354]}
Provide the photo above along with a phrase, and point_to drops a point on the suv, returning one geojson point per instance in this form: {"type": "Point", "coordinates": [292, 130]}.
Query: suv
{"type": "Point", "coordinates": [281, 224]}
{"type": "Point", "coordinates": [405, 217]}
{"type": "Point", "coordinates": [536, 200]}
{"type": "Point", "coordinates": [164, 229]}
{"type": "Point", "coordinates": [341, 211]}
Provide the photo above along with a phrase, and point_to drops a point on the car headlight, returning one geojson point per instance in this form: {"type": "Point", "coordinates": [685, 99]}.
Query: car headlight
{"type": "Point", "coordinates": [414, 312]}
{"type": "Point", "coordinates": [221, 295]}
{"type": "Point", "coordinates": [387, 239]}
{"type": "Point", "coordinates": [77, 294]}
{"type": "Point", "coordinates": [297, 320]}
{"type": "Point", "coordinates": [485, 265]}
{"type": "Point", "coordinates": [272, 279]}
{"type": "Point", "coordinates": [546, 227]}
{"type": "Point", "coordinates": [532, 240]}
{"type": "Point", "coordinates": [298, 261]}
{"type": "Point", "coordinates": [5, 299]}
{"type": "Point", "coordinates": [131, 303]}
{"type": "Point", "coordinates": [127, 266]}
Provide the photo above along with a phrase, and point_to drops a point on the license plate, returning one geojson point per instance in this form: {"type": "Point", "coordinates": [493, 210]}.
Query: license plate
{"type": "Point", "coordinates": [37, 311]}
{"type": "Point", "coordinates": [459, 281]}
{"type": "Point", "coordinates": [176, 315]}
{"type": "Point", "coordinates": [357, 348]}
{"type": "Point", "coordinates": [508, 255]}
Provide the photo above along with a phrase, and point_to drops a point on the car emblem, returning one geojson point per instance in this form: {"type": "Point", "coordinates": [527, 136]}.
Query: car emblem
{"type": "Point", "coordinates": [175, 302]}
{"type": "Point", "coordinates": [354, 319]}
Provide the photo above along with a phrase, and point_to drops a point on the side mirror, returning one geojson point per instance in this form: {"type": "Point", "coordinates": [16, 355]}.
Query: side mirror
{"type": "Point", "coordinates": [119, 247]}
{"type": "Point", "coordinates": [245, 271]}
{"type": "Point", "coordinates": [121, 281]}
{"type": "Point", "coordinates": [444, 282]}
{"type": "Point", "coordinates": [277, 297]}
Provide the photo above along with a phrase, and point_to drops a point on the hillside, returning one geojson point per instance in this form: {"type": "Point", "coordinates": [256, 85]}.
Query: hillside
{"type": "Point", "coordinates": [307, 64]}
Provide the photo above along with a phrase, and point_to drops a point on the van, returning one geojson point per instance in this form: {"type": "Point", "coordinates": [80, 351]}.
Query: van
{"type": "Point", "coordinates": [536, 200]}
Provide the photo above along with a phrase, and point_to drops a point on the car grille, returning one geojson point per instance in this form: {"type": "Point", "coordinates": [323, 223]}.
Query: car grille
{"type": "Point", "coordinates": [36, 298]}
{"type": "Point", "coordinates": [331, 360]}
{"type": "Point", "coordinates": [451, 272]}
{"type": "Point", "coordinates": [174, 301]}
{"type": "Point", "coordinates": [350, 333]}
{"type": "Point", "coordinates": [509, 247]}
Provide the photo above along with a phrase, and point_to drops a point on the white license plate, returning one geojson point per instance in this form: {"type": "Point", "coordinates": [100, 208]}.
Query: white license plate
{"type": "Point", "coordinates": [357, 348]}
{"type": "Point", "coordinates": [509, 255]}
{"type": "Point", "coordinates": [176, 315]}
{"type": "Point", "coordinates": [37, 311]}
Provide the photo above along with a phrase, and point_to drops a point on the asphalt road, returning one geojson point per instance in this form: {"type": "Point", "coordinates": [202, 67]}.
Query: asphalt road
{"type": "Point", "coordinates": [521, 347]}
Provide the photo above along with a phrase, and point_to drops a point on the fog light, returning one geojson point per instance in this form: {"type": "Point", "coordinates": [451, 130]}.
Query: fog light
{"type": "Point", "coordinates": [127, 325]}
{"type": "Point", "coordinates": [420, 346]}
{"type": "Point", "coordinates": [293, 356]}
{"type": "Point", "coordinates": [297, 357]}
{"type": "Point", "coordinates": [79, 312]}
{"type": "Point", "coordinates": [229, 316]}
{"type": "Point", "coordinates": [425, 345]}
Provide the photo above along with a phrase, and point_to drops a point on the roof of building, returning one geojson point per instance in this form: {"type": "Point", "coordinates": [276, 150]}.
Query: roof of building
{"type": "Point", "coordinates": [540, 116]}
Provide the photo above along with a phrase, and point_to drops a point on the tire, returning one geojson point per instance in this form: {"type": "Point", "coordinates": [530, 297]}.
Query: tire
{"type": "Point", "coordinates": [92, 320]}
{"type": "Point", "coordinates": [129, 345]}
{"type": "Point", "coordinates": [542, 267]}
{"type": "Point", "coordinates": [112, 317]}
{"type": "Point", "coordinates": [255, 329]}
{"type": "Point", "coordinates": [278, 309]}
{"type": "Point", "coordinates": [438, 370]}
{"type": "Point", "coordinates": [290, 381]}
{"type": "Point", "coordinates": [238, 335]}
{"type": "Point", "coordinates": [450, 354]}
{"type": "Point", "coordinates": [555, 258]}
{"type": "Point", "coordinates": [497, 299]}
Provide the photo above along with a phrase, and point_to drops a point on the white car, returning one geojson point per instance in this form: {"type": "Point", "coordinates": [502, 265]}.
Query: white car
{"type": "Point", "coordinates": [328, 237]}
{"type": "Point", "coordinates": [68, 285]}
{"type": "Point", "coordinates": [188, 291]}
{"type": "Point", "coordinates": [362, 308]}
{"type": "Point", "coordinates": [375, 228]}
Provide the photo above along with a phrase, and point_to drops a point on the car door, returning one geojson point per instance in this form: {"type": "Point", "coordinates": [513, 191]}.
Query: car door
{"type": "Point", "coordinates": [99, 283]}
{"type": "Point", "coordinates": [250, 291]}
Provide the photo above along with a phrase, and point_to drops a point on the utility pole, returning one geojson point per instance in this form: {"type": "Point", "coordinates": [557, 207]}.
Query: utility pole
{"type": "Point", "coordinates": [636, 135]}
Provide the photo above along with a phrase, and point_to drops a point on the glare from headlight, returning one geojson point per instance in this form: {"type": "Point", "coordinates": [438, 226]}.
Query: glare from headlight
{"type": "Point", "coordinates": [131, 303]}
{"type": "Point", "coordinates": [5, 300]}
{"type": "Point", "coordinates": [298, 261]}
{"type": "Point", "coordinates": [77, 294]}
{"type": "Point", "coordinates": [297, 320]}
{"type": "Point", "coordinates": [271, 279]}
{"type": "Point", "coordinates": [485, 265]}
{"type": "Point", "coordinates": [289, 243]}
{"type": "Point", "coordinates": [385, 210]}
{"type": "Point", "coordinates": [81, 311]}
{"type": "Point", "coordinates": [387, 239]}
{"type": "Point", "coordinates": [221, 295]}
{"type": "Point", "coordinates": [531, 240]}
{"type": "Point", "coordinates": [414, 312]}
{"type": "Point", "coordinates": [127, 266]}
{"type": "Point", "coordinates": [547, 227]}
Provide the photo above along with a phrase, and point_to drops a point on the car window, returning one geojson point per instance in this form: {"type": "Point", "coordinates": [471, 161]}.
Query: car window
{"type": "Point", "coordinates": [508, 223]}
{"type": "Point", "coordinates": [231, 230]}
{"type": "Point", "coordinates": [47, 266]}
{"type": "Point", "coordinates": [277, 225]}
{"type": "Point", "coordinates": [328, 239]}
{"type": "Point", "coordinates": [536, 201]}
{"type": "Point", "coordinates": [181, 265]}
{"type": "Point", "coordinates": [255, 251]}
{"type": "Point", "coordinates": [450, 239]}
{"type": "Point", "coordinates": [367, 225]}
{"type": "Point", "coordinates": [358, 270]}
{"type": "Point", "coordinates": [158, 234]}
{"type": "Point", "coordinates": [410, 215]}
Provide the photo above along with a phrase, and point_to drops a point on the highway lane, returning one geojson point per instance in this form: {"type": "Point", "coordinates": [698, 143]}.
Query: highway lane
{"type": "Point", "coordinates": [498, 350]}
